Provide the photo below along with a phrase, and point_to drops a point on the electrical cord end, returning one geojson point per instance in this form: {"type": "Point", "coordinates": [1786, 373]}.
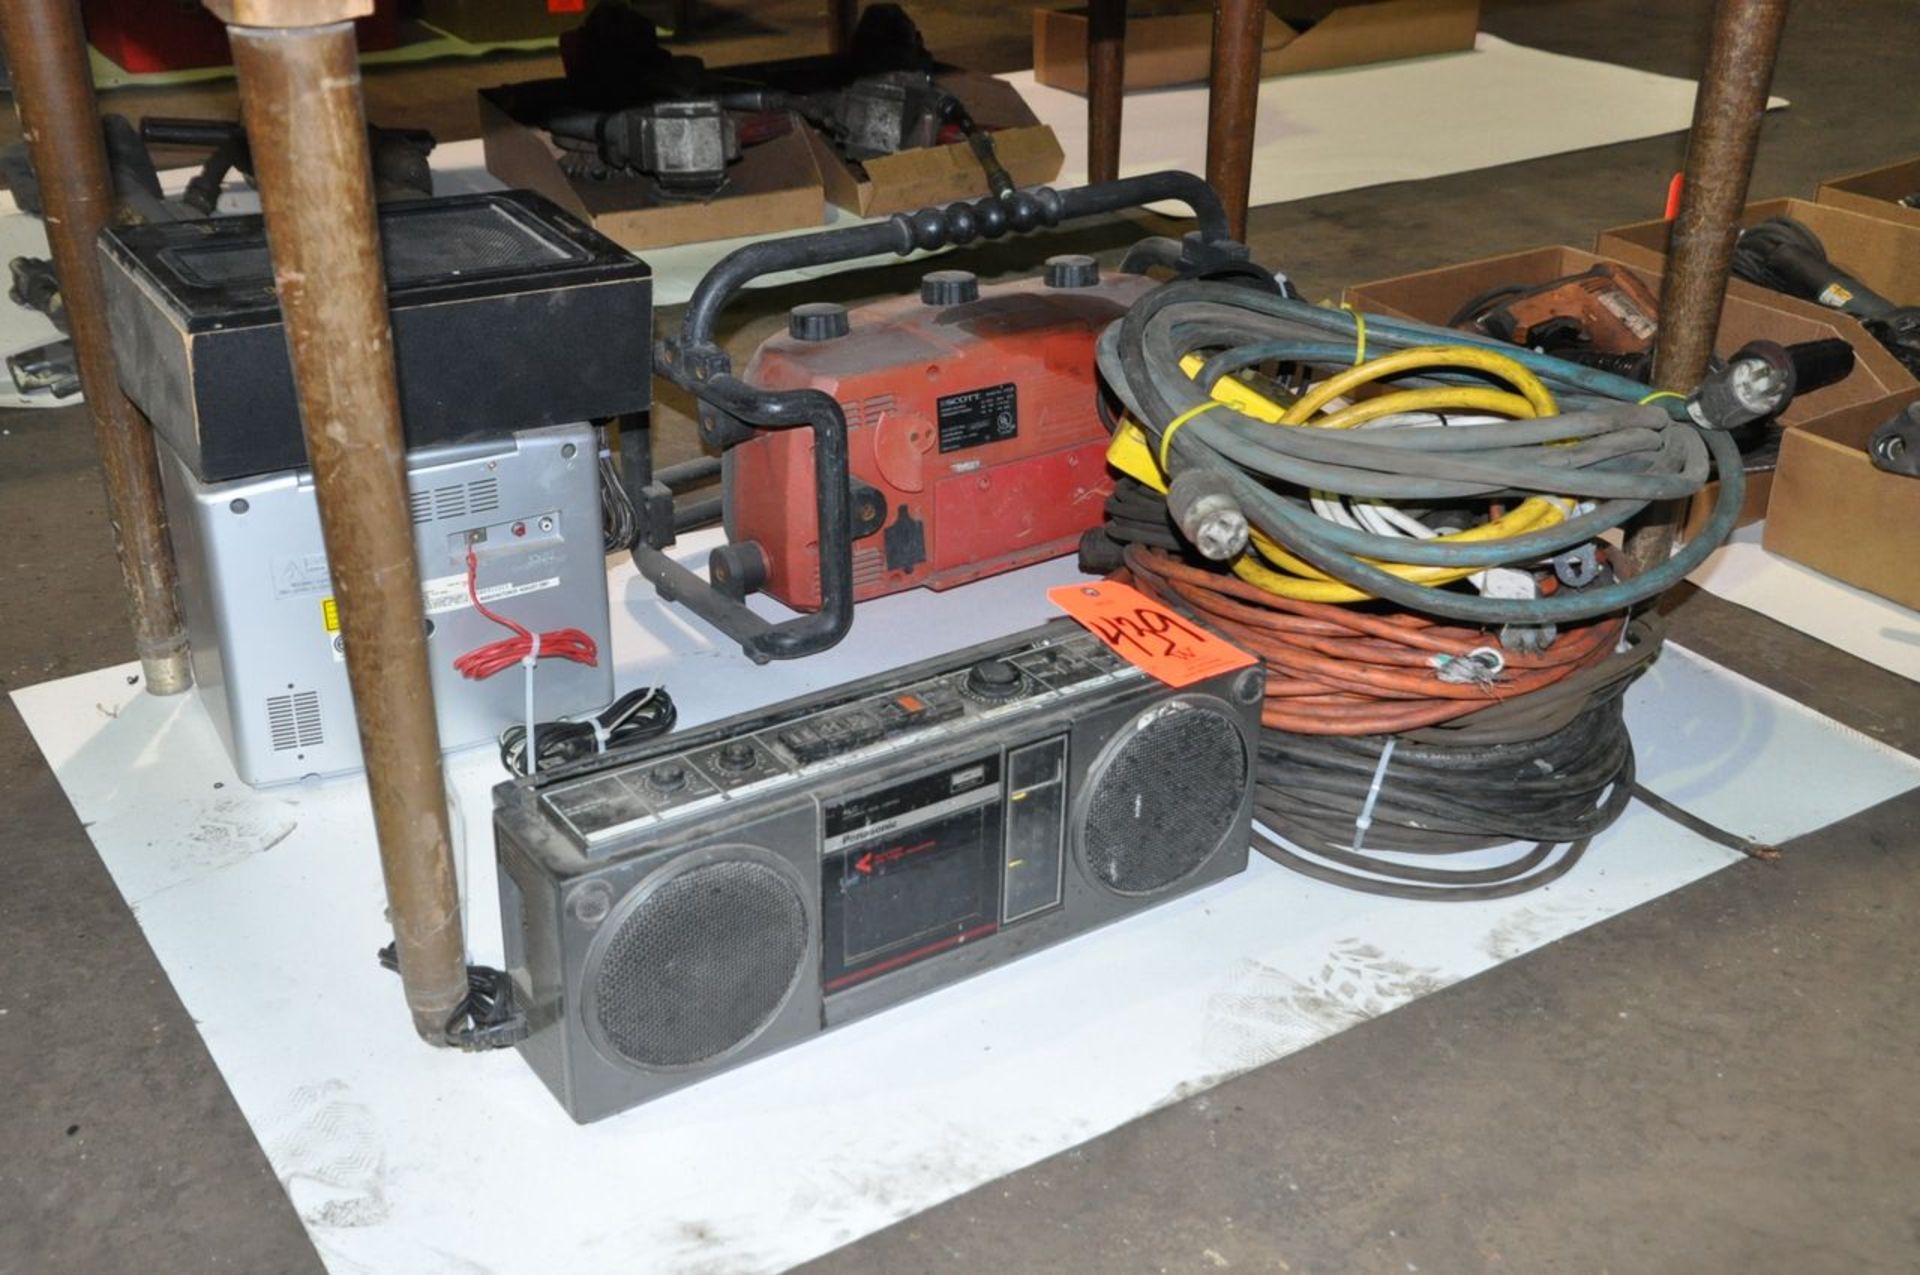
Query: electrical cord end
{"type": "Point", "coordinates": [1757, 382]}
{"type": "Point", "coordinates": [1203, 506]}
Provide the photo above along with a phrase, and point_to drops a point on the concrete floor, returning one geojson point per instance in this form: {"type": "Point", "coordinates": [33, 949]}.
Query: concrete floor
{"type": "Point", "coordinates": [1713, 1082]}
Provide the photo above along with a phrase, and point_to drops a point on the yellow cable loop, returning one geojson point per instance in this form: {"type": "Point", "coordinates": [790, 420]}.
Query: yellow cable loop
{"type": "Point", "coordinates": [1301, 580]}
{"type": "Point", "coordinates": [1509, 370]}
{"type": "Point", "coordinates": [1445, 399]}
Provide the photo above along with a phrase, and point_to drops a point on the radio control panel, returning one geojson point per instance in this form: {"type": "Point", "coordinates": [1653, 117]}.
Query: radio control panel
{"type": "Point", "coordinates": [672, 785]}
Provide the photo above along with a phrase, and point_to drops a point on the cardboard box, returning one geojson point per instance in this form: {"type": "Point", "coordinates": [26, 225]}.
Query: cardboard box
{"type": "Point", "coordinates": [1883, 254]}
{"type": "Point", "coordinates": [913, 179]}
{"type": "Point", "coordinates": [1876, 192]}
{"type": "Point", "coordinates": [774, 186]}
{"type": "Point", "coordinates": [1834, 512]}
{"type": "Point", "coordinates": [1172, 43]}
{"type": "Point", "coordinates": [1750, 313]}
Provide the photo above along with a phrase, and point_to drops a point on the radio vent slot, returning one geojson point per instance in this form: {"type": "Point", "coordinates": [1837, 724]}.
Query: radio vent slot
{"type": "Point", "coordinates": [294, 721]}
{"type": "Point", "coordinates": [1163, 798]}
{"type": "Point", "coordinates": [449, 502]}
{"type": "Point", "coordinates": [481, 496]}
{"type": "Point", "coordinates": [869, 567]}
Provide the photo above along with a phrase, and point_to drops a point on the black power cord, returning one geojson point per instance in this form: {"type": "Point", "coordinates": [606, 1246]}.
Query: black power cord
{"type": "Point", "coordinates": [638, 715]}
{"type": "Point", "coordinates": [619, 522]}
{"type": "Point", "coordinates": [488, 1016]}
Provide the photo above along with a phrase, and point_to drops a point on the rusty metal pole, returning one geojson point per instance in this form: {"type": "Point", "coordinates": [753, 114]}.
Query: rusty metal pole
{"type": "Point", "coordinates": [1106, 86]}
{"type": "Point", "coordinates": [53, 91]}
{"type": "Point", "coordinates": [842, 17]}
{"type": "Point", "coordinates": [1233, 96]}
{"type": "Point", "coordinates": [1727, 111]}
{"type": "Point", "coordinates": [300, 97]}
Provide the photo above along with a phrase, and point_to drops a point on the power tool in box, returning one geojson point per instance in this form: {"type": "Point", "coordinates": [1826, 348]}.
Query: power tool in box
{"type": "Point", "coordinates": [929, 440]}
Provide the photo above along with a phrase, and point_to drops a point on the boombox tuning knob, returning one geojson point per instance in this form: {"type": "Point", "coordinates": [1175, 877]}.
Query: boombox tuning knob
{"type": "Point", "coordinates": [994, 680]}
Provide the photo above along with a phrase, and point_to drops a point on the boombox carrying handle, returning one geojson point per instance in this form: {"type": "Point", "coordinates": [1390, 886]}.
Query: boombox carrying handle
{"type": "Point", "coordinates": [693, 361]}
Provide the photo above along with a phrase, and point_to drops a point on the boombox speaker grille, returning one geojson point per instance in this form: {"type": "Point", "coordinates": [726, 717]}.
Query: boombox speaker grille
{"type": "Point", "coordinates": [698, 965]}
{"type": "Point", "coordinates": [1163, 799]}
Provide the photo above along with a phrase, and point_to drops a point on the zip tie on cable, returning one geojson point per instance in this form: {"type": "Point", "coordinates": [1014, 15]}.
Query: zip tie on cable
{"type": "Point", "coordinates": [1166, 435]}
{"type": "Point", "coordinates": [1365, 819]}
{"type": "Point", "coordinates": [532, 658]}
{"type": "Point", "coordinates": [1359, 334]}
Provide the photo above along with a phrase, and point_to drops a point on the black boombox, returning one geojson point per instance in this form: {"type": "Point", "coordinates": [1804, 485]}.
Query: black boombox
{"type": "Point", "coordinates": [674, 910]}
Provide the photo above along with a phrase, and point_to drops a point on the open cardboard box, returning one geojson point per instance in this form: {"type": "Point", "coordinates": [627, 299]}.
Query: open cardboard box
{"type": "Point", "coordinates": [913, 179]}
{"type": "Point", "coordinates": [1750, 313]}
{"type": "Point", "coordinates": [1884, 255]}
{"type": "Point", "coordinates": [774, 186]}
{"type": "Point", "coordinates": [1876, 192]}
{"type": "Point", "coordinates": [1833, 511]}
{"type": "Point", "coordinates": [1171, 42]}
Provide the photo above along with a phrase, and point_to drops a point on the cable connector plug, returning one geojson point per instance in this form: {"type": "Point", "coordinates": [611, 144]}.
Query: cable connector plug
{"type": "Point", "coordinates": [1203, 506]}
{"type": "Point", "coordinates": [1757, 382]}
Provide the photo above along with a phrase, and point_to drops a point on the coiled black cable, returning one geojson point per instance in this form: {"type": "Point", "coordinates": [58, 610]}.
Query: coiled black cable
{"type": "Point", "coordinates": [637, 715]}
{"type": "Point", "coordinates": [1547, 797]}
{"type": "Point", "coordinates": [1544, 773]}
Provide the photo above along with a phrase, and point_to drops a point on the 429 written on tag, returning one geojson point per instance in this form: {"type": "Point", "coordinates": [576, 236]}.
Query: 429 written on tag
{"type": "Point", "coordinates": [1147, 635]}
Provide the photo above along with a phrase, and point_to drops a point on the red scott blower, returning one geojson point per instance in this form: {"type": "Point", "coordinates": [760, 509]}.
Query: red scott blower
{"type": "Point", "coordinates": [924, 440]}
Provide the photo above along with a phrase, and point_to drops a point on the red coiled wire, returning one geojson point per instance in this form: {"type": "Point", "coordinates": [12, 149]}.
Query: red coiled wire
{"type": "Point", "coordinates": [484, 661]}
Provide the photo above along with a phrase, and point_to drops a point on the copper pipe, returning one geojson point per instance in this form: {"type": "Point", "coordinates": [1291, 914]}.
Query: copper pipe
{"type": "Point", "coordinates": [842, 17]}
{"type": "Point", "coordinates": [53, 91]}
{"type": "Point", "coordinates": [1233, 96]}
{"type": "Point", "coordinates": [1727, 111]}
{"type": "Point", "coordinates": [1106, 86]}
{"type": "Point", "coordinates": [300, 98]}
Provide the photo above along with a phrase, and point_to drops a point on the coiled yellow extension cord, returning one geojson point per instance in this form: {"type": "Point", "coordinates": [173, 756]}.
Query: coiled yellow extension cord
{"type": "Point", "coordinates": [1302, 581]}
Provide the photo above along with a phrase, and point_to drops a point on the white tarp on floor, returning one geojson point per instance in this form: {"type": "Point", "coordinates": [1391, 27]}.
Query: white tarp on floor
{"type": "Point", "coordinates": [265, 909]}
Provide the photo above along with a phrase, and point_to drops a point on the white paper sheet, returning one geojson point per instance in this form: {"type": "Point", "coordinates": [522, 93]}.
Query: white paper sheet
{"type": "Point", "coordinates": [265, 910]}
{"type": "Point", "coordinates": [1860, 623]}
{"type": "Point", "coordinates": [1361, 126]}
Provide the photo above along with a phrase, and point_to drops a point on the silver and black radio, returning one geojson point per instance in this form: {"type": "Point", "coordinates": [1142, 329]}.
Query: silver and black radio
{"type": "Point", "coordinates": [677, 909]}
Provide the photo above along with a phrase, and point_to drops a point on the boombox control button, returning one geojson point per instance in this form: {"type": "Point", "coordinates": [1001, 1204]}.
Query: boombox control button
{"type": "Point", "coordinates": [737, 757]}
{"type": "Point", "coordinates": [994, 680]}
{"type": "Point", "coordinates": [668, 776]}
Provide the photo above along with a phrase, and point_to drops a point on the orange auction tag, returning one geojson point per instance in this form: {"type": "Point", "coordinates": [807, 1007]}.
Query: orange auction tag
{"type": "Point", "coordinates": [1142, 632]}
